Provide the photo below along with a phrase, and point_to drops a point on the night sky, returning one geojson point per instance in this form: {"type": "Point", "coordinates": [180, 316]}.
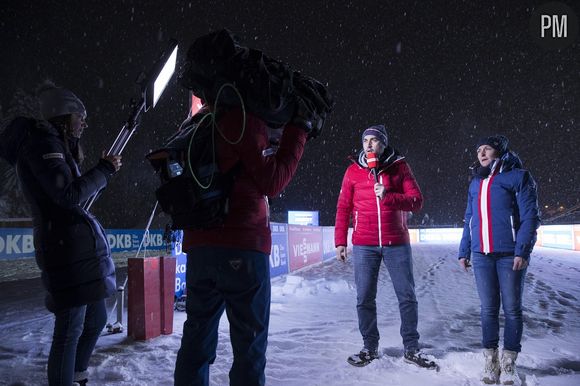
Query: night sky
{"type": "Point", "coordinates": [439, 75]}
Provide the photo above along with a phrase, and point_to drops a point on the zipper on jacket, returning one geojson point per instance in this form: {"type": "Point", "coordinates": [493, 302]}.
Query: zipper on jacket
{"type": "Point", "coordinates": [513, 229]}
{"type": "Point", "coordinates": [267, 211]}
{"type": "Point", "coordinates": [485, 212]}
{"type": "Point", "coordinates": [355, 219]}
{"type": "Point", "coordinates": [379, 215]}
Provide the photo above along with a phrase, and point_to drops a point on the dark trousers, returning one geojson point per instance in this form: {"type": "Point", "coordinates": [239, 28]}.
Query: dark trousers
{"type": "Point", "coordinates": [76, 331]}
{"type": "Point", "coordinates": [237, 281]}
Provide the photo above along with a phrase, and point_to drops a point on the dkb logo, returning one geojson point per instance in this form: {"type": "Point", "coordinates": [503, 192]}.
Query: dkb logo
{"type": "Point", "coordinates": [554, 26]}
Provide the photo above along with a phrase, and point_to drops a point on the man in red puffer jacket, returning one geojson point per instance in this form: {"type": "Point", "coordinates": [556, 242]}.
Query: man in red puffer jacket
{"type": "Point", "coordinates": [377, 198]}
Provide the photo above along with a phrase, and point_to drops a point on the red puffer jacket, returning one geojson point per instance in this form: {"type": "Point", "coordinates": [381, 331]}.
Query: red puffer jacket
{"type": "Point", "coordinates": [247, 224]}
{"type": "Point", "coordinates": [377, 222]}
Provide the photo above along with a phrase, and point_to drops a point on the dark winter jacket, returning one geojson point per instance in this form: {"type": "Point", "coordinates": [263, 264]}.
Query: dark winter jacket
{"type": "Point", "coordinates": [70, 245]}
{"type": "Point", "coordinates": [377, 222]}
{"type": "Point", "coordinates": [502, 211]}
{"type": "Point", "coordinates": [261, 175]}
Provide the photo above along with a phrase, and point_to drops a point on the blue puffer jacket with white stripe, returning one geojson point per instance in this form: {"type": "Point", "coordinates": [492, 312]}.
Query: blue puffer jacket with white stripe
{"type": "Point", "coordinates": [502, 212]}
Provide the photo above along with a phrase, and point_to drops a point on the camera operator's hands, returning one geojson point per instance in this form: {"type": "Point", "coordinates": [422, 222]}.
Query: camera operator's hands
{"type": "Point", "coordinates": [312, 104]}
{"type": "Point", "coordinates": [114, 160]}
{"type": "Point", "coordinates": [306, 118]}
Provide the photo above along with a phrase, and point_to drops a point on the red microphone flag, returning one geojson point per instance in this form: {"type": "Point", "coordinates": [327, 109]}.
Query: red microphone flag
{"type": "Point", "coordinates": [373, 163]}
{"type": "Point", "coordinates": [372, 160]}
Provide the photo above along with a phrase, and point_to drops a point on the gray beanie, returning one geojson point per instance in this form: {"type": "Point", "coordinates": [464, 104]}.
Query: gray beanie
{"type": "Point", "coordinates": [378, 131]}
{"type": "Point", "coordinates": [55, 102]}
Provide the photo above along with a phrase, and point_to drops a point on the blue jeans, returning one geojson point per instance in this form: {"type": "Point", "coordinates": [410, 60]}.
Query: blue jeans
{"type": "Point", "coordinates": [76, 331]}
{"type": "Point", "coordinates": [399, 263]}
{"type": "Point", "coordinates": [237, 281]}
{"type": "Point", "coordinates": [497, 283]}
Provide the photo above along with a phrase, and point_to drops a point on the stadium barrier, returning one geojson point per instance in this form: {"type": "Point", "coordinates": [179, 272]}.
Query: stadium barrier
{"type": "Point", "coordinates": [294, 247]}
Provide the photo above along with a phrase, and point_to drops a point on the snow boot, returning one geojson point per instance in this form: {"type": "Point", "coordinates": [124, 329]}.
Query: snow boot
{"type": "Point", "coordinates": [81, 378]}
{"type": "Point", "coordinates": [509, 374]}
{"type": "Point", "coordinates": [419, 359]}
{"type": "Point", "coordinates": [363, 358]}
{"type": "Point", "coordinates": [490, 373]}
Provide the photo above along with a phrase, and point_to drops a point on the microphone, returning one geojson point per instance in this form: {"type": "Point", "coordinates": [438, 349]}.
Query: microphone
{"type": "Point", "coordinates": [373, 163]}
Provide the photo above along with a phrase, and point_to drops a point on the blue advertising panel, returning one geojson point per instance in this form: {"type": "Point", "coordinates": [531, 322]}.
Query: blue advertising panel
{"type": "Point", "coordinates": [180, 267]}
{"type": "Point", "coordinates": [176, 248]}
{"type": "Point", "coordinates": [122, 240]}
{"type": "Point", "coordinates": [279, 253]}
{"type": "Point", "coordinates": [18, 243]}
{"type": "Point", "coordinates": [328, 250]}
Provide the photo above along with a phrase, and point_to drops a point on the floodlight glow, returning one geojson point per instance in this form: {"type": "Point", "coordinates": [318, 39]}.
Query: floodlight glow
{"type": "Point", "coordinates": [300, 217]}
{"type": "Point", "coordinates": [164, 76]}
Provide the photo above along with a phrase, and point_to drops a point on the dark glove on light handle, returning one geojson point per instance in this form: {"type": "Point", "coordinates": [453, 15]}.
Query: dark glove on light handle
{"type": "Point", "coordinates": [306, 118]}
{"type": "Point", "coordinates": [313, 103]}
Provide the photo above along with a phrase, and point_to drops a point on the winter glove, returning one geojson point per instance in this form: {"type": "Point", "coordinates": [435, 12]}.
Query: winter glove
{"type": "Point", "coordinates": [106, 168]}
{"type": "Point", "coordinates": [306, 118]}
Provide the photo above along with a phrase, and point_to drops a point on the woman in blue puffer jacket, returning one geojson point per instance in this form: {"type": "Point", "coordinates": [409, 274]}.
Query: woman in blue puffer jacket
{"type": "Point", "coordinates": [500, 231]}
{"type": "Point", "coordinates": [70, 245]}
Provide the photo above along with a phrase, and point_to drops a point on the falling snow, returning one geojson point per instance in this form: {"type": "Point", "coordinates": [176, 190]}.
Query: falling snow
{"type": "Point", "coordinates": [438, 77]}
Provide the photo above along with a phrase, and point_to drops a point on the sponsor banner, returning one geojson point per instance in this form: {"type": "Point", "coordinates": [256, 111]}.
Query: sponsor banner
{"type": "Point", "coordinates": [558, 236]}
{"type": "Point", "coordinates": [440, 235]}
{"type": "Point", "coordinates": [279, 253]}
{"type": "Point", "coordinates": [18, 243]}
{"type": "Point", "coordinates": [577, 237]}
{"type": "Point", "coordinates": [124, 240]}
{"type": "Point", "coordinates": [180, 268]}
{"type": "Point", "coordinates": [305, 245]}
{"type": "Point", "coordinates": [328, 250]}
{"type": "Point", "coordinates": [176, 239]}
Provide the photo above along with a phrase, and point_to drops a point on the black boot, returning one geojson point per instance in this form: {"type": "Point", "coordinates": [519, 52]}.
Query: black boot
{"type": "Point", "coordinates": [417, 358]}
{"type": "Point", "coordinates": [363, 358]}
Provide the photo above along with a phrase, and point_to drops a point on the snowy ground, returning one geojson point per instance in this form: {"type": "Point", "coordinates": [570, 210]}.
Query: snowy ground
{"type": "Point", "coordinates": [314, 329]}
